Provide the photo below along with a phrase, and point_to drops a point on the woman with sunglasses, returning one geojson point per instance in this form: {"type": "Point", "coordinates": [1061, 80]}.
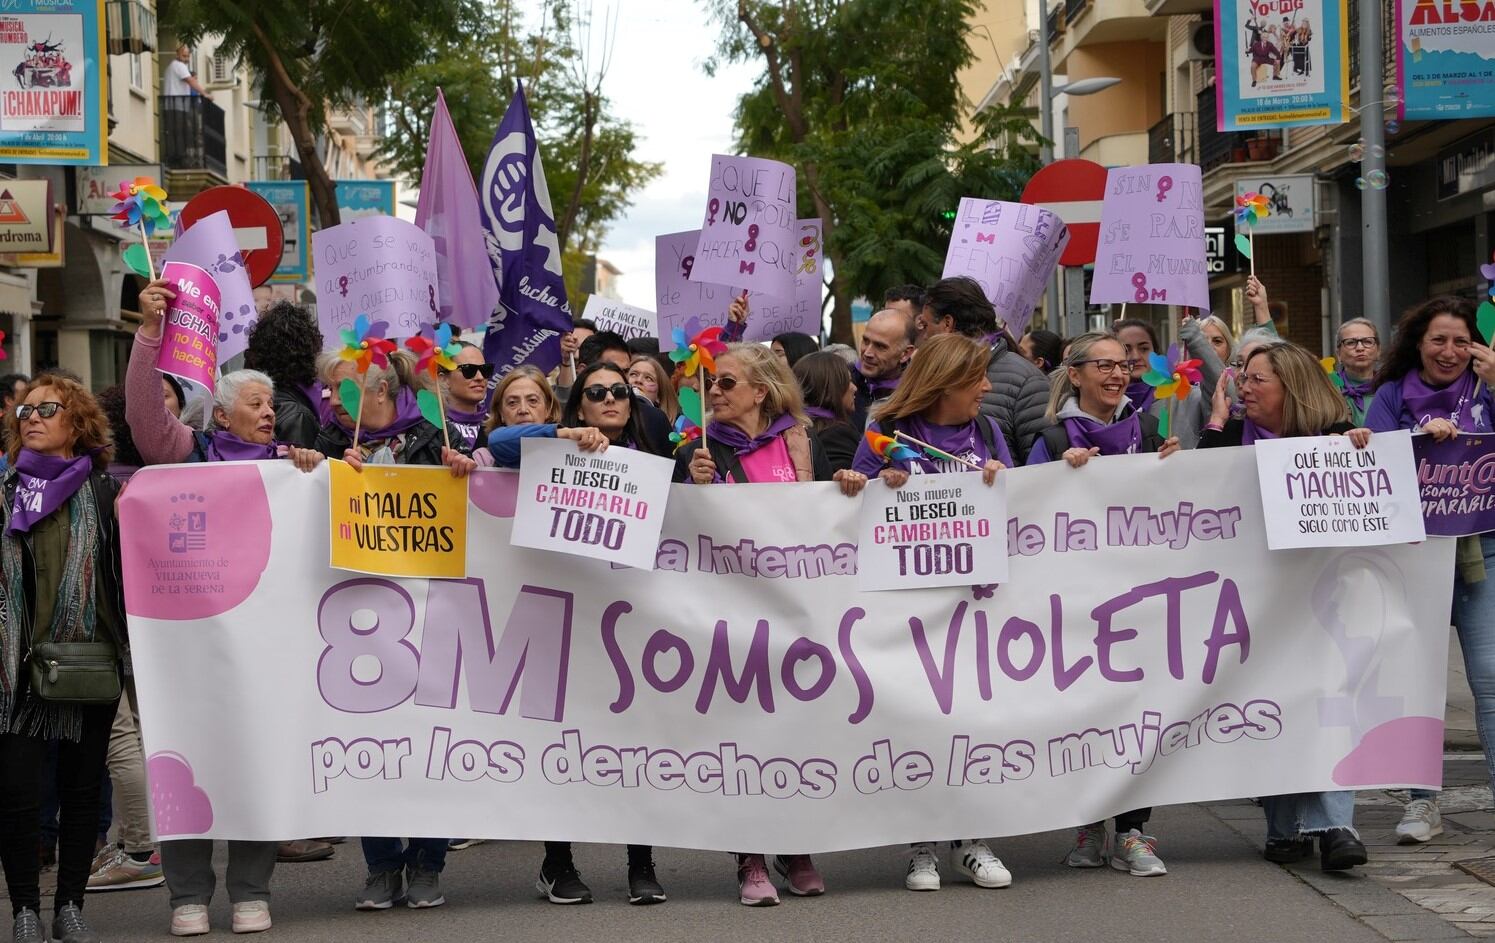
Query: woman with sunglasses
{"type": "Point", "coordinates": [938, 402]}
{"type": "Point", "coordinates": [1091, 416]}
{"type": "Point", "coordinates": [1287, 394]}
{"type": "Point", "coordinates": [59, 555]}
{"type": "Point", "coordinates": [524, 407]}
{"type": "Point", "coordinates": [758, 432]}
{"type": "Point", "coordinates": [1437, 379]}
{"type": "Point", "coordinates": [466, 394]}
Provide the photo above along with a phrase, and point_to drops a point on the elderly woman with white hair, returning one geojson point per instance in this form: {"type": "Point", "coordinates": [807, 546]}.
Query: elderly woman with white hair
{"type": "Point", "coordinates": [240, 427]}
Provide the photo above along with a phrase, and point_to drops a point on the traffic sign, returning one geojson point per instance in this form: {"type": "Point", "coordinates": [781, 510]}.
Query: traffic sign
{"type": "Point", "coordinates": [1073, 189]}
{"type": "Point", "coordinates": [256, 226]}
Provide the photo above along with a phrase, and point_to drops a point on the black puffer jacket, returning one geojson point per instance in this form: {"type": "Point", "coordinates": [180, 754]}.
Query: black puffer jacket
{"type": "Point", "coordinates": [1018, 399]}
{"type": "Point", "coordinates": [296, 418]}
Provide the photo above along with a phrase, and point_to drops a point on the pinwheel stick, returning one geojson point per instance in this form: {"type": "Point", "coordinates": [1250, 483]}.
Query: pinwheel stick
{"type": "Point", "coordinates": [940, 452]}
{"type": "Point", "coordinates": [446, 437]}
{"type": "Point", "coordinates": [146, 243]}
{"type": "Point", "coordinates": [705, 408]}
{"type": "Point", "coordinates": [363, 390]}
{"type": "Point", "coordinates": [1251, 239]}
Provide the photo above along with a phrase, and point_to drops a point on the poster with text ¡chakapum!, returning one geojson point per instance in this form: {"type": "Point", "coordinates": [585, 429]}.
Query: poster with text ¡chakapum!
{"type": "Point", "coordinates": [1010, 249]}
{"type": "Point", "coordinates": [379, 266]}
{"type": "Point", "coordinates": [398, 520]}
{"type": "Point", "coordinates": [1152, 246]}
{"type": "Point", "coordinates": [748, 231]}
{"type": "Point", "coordinates": [189, 331]}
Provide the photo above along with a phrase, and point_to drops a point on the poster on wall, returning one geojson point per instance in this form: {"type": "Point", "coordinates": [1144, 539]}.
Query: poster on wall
{"type": "Point", "coordinates": [1445, 59]}
{"type": "Point", "coordinates": [357, 199]}
{"type": "Point", "coordinates": [1280, 63]}
{"type": "Point", "coordinates": [53, 106]}
{"type": "Point", "coordinates": [292, 200]}
{"type": "Point", "coordinates": [1293, 199]}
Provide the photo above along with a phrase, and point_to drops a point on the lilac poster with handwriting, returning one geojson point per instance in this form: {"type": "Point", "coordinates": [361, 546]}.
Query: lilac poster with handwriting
{"type": "Point", "coordinates": [379, 266]}
{"type": "Point", "coordinates": [748, 231]}
{"type": "Point", "coordinates": [1010, 249]}
{"type": "Point", "coordinates": [1152, 247]}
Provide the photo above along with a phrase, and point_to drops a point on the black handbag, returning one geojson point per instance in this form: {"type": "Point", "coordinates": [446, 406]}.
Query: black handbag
{"type": "Point", "coordinates": [75, 672]}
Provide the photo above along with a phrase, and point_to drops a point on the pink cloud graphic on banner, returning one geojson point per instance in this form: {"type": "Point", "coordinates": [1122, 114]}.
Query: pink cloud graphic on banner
{"type": "Point", "coordinates": [494, 492]}
{"type": "Point", "coordinates": [1405, 750]}
{"type": "Point", "coordinates": [197, 539]}
{"type": "Point", "coordinates": [181, 806]}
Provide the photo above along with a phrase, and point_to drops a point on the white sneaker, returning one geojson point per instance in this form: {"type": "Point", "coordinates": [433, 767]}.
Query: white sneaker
{"type": "Point", "coordinates": [189, 920]}
{"type": "Point", "coordinates": [1421, 820]}
{"type": "Point", "coordinates": [923, 870]}
{"type": "Point", "coordinates": [251, 916]}
{"type": "Point", "coordinates": [975, 861]}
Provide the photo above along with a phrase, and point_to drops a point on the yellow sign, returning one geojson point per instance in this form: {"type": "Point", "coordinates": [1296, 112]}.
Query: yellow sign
{"type": "Point", "coordinates": [398, 520]}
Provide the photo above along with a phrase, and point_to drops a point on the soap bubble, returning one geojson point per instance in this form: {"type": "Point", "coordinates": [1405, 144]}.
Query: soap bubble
{"type": "Point", "coordinates": [1377, 179]}
{"type": "Point", "coordinates": [1391, 94]}
{"type": "Point", "coordinates": [1357, 150]}
{"type": "Point", "coordinates": [1359, 183]}
{"type": "Point", "coordinates": [1377, 151]}
{"type": "Point", "coordinates": [1393, 126]}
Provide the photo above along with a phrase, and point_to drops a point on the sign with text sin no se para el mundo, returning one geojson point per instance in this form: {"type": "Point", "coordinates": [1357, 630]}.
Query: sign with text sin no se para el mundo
{"type": "Point", "coordinates": [1152, 243]}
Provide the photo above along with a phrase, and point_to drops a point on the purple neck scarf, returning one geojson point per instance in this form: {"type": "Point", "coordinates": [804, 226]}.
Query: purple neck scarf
{"type": "Point", "coordinates": [407, 417]}
{"type": "Point", "coordinates": [1119, 437]}
{"type": "Point", "coordinates": [738, 441]}
{"type": "Point", "coordinates": [1452, 402]}
{"type": "Point", "coordinates": [224, 446]}
{"type": "Point", "coordinates": [1250, 432]}
{"type": "Point", "coordinates": [874, 388]}
{"type": "Point", "coordinates": [469, 425]}
{"type": "Point", "coordinates": [321, 407]}
{"type": "Point", "coordinates": [44, 483]}
{"type": "Point", "coordinates": [1357, 393]}
{"type": "Point", "coordinates": [820, 412]}
{"type": "Point", "coordinates": [1140, 394]}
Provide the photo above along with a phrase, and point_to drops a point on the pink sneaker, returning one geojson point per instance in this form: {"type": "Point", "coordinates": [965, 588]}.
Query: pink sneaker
{"type": "Point", "coordinates": [753, 886]}
{"type": "Point", "coordinates": [804, 880]}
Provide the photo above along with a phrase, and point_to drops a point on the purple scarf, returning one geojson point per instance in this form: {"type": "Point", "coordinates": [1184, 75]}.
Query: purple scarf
{"type": "Point", "coordinates": [1250, 432]}
{"type": "Point", "coordinates": [468, 425]}
{"type": "Point", "coordinates": [737, 440]}
{"type": "Point", "coordinates": [874, 388]}
{"type": "Point", "coordinates": [407, 417]}
{"type": "Point", "coordinates": [321, 407]}
{"type": "Point", "coordinates": [1425, 403]}
{"type": "Point", "coordinates": [1122, 437]}
{"type": "Point", "coordinates": [1357, 393]}
{"type": "Point", "coordinates": [224, 446]}
{"type": "Point", "coordinates": [1140, 394]}
{"type": "Point", "coordinates": [44, 483]}
{"type": "Point", "coordinates": [820, 412]}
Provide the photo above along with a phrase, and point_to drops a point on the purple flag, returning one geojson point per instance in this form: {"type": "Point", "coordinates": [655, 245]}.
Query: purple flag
{"type": "Point", "coordinates": [1457, 480]}
{"type": "Point", "coordinates": [532, 312]}
{"type": "Point", "coordinates": [448, 212]}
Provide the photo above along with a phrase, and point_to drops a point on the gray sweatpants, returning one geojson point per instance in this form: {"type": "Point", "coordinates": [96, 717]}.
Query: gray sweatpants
{"type": "Point", "coordinates": [188, 864]}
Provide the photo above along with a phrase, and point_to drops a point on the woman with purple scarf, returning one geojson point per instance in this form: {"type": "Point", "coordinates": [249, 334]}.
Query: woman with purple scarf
{"type": "Point", "coordinates": [1287, 394]}
{"type": "Point", "coordinates": [1357, 348]}
{"type": "Point", "coordinates": [59, 554]}
{"type": "Point", "coordinates": [466, 394]}
{"type": "Point", "coordinates": [1437, 380]}
{"type": "Point", "coordinates": [758, 432]}
{"type": "Point", "coordinates": [393, 431]}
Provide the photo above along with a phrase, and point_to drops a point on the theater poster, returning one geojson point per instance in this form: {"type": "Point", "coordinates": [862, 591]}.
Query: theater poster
{"type": "Point", "coordinates": [53, 107]}
{"type": "Point", "coordinates": [1280, 63]}
{"type": "Point", "coordinates": [1445, 59]}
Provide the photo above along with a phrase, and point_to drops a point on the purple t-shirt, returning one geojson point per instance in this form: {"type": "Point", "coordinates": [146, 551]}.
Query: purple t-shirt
{"type": "Point", "coordinates": [963, 440]}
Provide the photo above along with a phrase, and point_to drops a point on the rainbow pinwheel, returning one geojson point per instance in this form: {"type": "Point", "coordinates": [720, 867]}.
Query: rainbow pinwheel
{"type": "Point", "coordinates": [1171, 379]}
{"type": "Point", "coordinates": [1329, 364]}
{"type": "Point", "coordinates": [433, 356]}
{"type": "Point", "coordinates": [700, 352]}
{"type": "Point", "coordinates": [364, 344]}
{"type": "Point", "coordinates": [890, 449]}
{"type": "Point", "coordinates": [141, 203]}
{"type": "Point", "coordinates": [685, 432]}
{"type": "Point", "coordinates": [1251, 209]}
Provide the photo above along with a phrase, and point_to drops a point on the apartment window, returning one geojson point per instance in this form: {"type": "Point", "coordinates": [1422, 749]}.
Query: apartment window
{"type": "Point", "coordinates": [137, 72]}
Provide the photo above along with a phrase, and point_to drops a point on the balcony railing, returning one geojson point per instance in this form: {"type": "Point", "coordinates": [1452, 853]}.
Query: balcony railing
{"type": "Point", "coordinates": [1056, 23]}
{"type": "Point", "coordinates": [1173, 140]}
{"type": "Point", "coordinates": [1231, 147]}
{"type": "Point", "coordinates": [277, 167]}
{"type": "Point", "coordinates": [192, 134]}
{"type": "Point", "coordinates": [1073, 9]}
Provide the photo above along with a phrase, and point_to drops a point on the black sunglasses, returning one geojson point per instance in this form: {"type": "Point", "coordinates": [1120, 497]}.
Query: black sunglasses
{"type": "Point", "coordinates": [471, 370]}
{"type": "Point", "coordinates": [599, 392]}
{"type": "Point", "coordinates": [726, 384]}
{"type": "Point", "coordinates": [44, 410]}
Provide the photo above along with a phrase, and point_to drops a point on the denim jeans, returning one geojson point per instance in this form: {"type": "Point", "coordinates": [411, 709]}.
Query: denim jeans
{"type": "Point", "coordinates": [1308, 813]}
{"type": "Point", "coordinates": [389, 854]}
{"type": "Point", "coordinates": [1474, 618]}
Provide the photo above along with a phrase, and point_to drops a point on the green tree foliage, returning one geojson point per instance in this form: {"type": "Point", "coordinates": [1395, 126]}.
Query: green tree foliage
{"type": "Point", "coordinates": [862, 97]}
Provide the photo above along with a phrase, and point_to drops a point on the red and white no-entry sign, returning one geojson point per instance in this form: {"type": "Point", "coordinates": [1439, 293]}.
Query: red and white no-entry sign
{"type": "Point", "coordinates": [1073, 190]}
{"type": "Point", "coordinates": [256, 226]}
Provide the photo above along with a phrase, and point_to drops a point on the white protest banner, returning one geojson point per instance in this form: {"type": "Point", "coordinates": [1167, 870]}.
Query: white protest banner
{"type": "Point", "coordinates": [379, 266]}
{"type": "Point", "coordinates": [1146, 650]}
{"type": "Point", "coordinates": [748, 230]}
{"type": "Point", "coordinates": [1152, 247]}
{"type": "Point", "coordinates": [605, 505]}
{"type": "Point", "coordinates": [622, 319]}
{"type": "Point", "coordinates": [937, 530]}
{"type": "Point", "coordinates": [1010, 249]}
{"type": "Point", "coordinates": [1321, 491]}
{"type": "Point", "coordinates": [680, 298]}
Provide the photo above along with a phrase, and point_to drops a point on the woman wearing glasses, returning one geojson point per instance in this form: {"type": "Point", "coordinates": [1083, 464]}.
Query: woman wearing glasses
{"type": "Point", "coordinates": [1437, 379]}
{"type": "Point", "coordinates": [467, 394]}
{"type": "Point", "coordinates": [1287, 394]}
{"type": "Point", "coordinates": [1357, 349]}
{"type": "Point", "coordinates": [59, 554]}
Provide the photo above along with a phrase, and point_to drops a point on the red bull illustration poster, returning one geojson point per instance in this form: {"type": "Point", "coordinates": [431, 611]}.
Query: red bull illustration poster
{"type": "Point", "coordinates": [52, 99]}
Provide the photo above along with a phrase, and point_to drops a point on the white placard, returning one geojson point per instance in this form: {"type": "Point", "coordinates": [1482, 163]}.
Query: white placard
{"type": "Point", "coordinates": [1323, 492]}
{"type": "Point", "coordinates": [604, 505]}
{"type": "Point", "coordinates": [622, 319]}
{"type": "Point", "coordinates": [937, 530]}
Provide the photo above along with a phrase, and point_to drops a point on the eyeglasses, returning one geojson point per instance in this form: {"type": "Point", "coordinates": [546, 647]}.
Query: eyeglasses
{"type": "Point", "coordinates": [1359, 343]}
{"type": "Point", "coordinates": [726, 384]}
{"type": "Point", "coordinates": [1254, 379]}
{"type": "Point", "coordinates": [1106, 366]}
{"type": "Point", "coordinates": [44, 410]}
{"type": "Point", "coordinates": [471, 370]}
{"type": "Point", "coordinates": [599, 392]}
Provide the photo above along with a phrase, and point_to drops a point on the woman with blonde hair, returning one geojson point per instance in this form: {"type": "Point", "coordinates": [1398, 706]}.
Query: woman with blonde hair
{"type": "Point", "coordinates": [525, 407]}
{"type": "Point", "coordinates": [758, 432]}
{"type": "Point", "coordinates": [938, 402]}
{"type": "Point", "coordinates": [647, 375]}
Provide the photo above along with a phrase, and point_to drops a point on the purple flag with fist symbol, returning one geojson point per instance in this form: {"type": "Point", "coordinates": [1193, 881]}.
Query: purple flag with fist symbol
{"type": "Point", "coordinates": [532, 312]}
